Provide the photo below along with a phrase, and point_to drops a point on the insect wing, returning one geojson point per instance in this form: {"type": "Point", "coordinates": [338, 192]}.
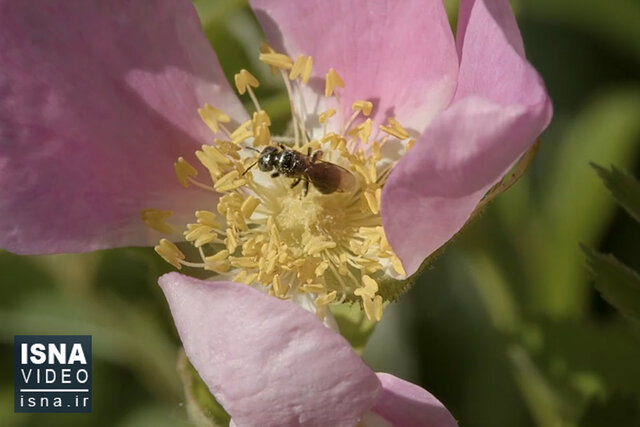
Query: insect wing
{"type": "Point", "coordinates": [327, 177]}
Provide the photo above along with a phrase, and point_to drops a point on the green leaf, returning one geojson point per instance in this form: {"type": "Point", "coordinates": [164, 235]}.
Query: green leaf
{"type": "Point", "coordinates": [624, 188]}
{"type": "Point", "coordinates": [203, 409]}
{"type": "Point", "coordinates": [573, 206]}
{"type": "Point", "coordinates": [617, 283]}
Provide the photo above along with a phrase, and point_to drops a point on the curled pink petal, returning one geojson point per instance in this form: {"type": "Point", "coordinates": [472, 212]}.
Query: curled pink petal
{"type": "Point", "coordinates": [493, 64]}
{"type": "Point", "coordinates": [434, 189]}
{"type": "Point", "coordinates": [406, 405]}
{"type": "Point", "coordinates": [268, 361]}
{"type": "Point", "coordinates": [97, 100]}
{"type": "Point", "coordinates": [500, 108]}
{"type": "Point", "coordinates": [400, 55]}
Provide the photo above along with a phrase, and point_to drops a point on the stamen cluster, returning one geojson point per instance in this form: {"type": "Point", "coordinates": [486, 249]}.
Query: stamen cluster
{"type": "Point", "coordinates": [331, 247]}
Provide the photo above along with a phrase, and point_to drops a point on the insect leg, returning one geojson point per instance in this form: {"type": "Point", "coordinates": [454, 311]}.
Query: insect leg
{"type": "Point", "coordinates": [296, 182]}
{"type": "Point", "coordinates": [305, 188]}
{"type": "Point", "coordinates": [275, 175]}
{"type": "Point", "coordinates": [316, 156]}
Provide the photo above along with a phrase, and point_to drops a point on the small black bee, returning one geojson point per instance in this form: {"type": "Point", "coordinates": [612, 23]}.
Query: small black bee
{"type": "Point", "coordinates": [326, 177]}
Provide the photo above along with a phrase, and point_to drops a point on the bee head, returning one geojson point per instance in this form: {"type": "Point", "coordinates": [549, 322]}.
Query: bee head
{"type": "Point", "coordinates": [267, 159]}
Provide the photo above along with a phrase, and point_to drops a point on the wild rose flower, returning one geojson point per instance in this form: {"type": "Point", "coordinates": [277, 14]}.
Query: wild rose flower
{"type": "Point", "coordinates": [271, 363]}
{"type": "Point", "coordinates": [90, 144]}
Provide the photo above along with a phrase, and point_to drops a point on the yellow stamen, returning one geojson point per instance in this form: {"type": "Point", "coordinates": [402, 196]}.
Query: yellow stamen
{"type": "Point", "coordinates": [170, 253]}
{"type": "Point", "coordinates": [363, 106]}
{"type": "Point", "coordinates": [156, 219]}
{"type": "Point", "coordinates": [244, 80]}
{"type": "Point", "coordinates": [373, 308]}
{"type": "Point", "coordinates": [325, 115]}
{"type": "Point", "coordinates": [395, 129]}
{"type": "Point", "coordinates": [302, 67]}
{"type": "Point", "coordinates": [333, 80]}
{"type": "Point", "coordinates": [183, 171]}
{"type": "Point", "coordinates": [278, 60]}
{"type": "Point", "coordinates": [213, 117]}
{"type": "Point", "coordinates": [265, 233]}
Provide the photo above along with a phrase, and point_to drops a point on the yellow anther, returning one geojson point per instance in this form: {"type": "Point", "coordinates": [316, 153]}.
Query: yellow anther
{"type": "Point", "coordinates": [241, 135]}
{"type": "Point", "coordinates": [326, 114]}
{"type": "Point", "coordinates": [243, 80]}
{"type": "Point", "coordinates": [204, 239]}
{"type": "Point", "coordinates": [228, 148]}
{"type": "Point", "coordinates": [395, 129]}
{"type": "Point", "coordinates": [308, 67]}
{"type": "Point", "coordinates": [213, 117]}
{"type": "Point", "coordinates": [372, 201]}
{"type": "Point", "coordinates": [397, 266]}
{"type": "Point", "coordinates": [207, 218]}
{"type": "Point", "coordinates": [243, 262]}
{"type": "Point", "coordinates": [298, 67]}
{"type": "Point", "coordinates": [239, 222]}
{"type": "Point", "coordinates": [373, 172]}
{"type": "Point", "coordinates": [364, 107]}
{"type": "Point", "coordinates": [230, 186]}
{"type": "Point", "coordinates": [410, 144]}
{"type": "Point", "coordinates": [209, 163]}
{"type": "Point", "coordinates": [242, 132]}
{"type": "Point", "coordinates": [375, 151]}
{"type": "Point", "coordinates": [278, 289]}
{"type": "Point", "coordinates": [249, 205]}
{"type": "Point", "coordinates": [312, 288]}
{"type": "Point", "coordinates": [317, 244]}
{"type": "Point", "coordinates": [156, 219]}
{"type": "Point", "coordinates": [218, 265]}
{"type": "Point", "coordinates": [216, 155]}
{"type": "Point", "coordinates": [194, 231]}
{"type": "Point", "coordinates": [321, 268]}
{"type": "Point", "coordinates": [370, 287]}
{"type": "Point", "coordinates": [226, 179]}
{"type": "Point", "coordinates": [326, 299]}
{"type": "Point", "coordinates": [363, 130]}
{"type": "Point", "coordinates": [260, 118]}
{"type": "Point", "coordinates": [373, 307]}
{"type": "Point", "coordinates": [183, 171]}
{"type": "Point", "coordinates": [278, 60]}
{"type": "Point", "coordinates": [231, 242]}
{"type": "Point", "coordinates": [332, 80]}
{"type": "Point", "coordinates": [220, 256]}
{"type": "Point", "coordinates": [170, 253]}
{"type": "Point", "coordinates": [262, 136]}
{"type": "Point", "coordinates": [302, 67]}
{"type": "Point", "coordinates": [265, 48]}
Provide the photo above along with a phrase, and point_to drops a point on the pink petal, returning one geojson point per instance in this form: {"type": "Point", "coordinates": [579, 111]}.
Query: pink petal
{"type": "Point", "coordinates": [400, 55]}
{"type": "Point", "coordinates": [406, 405]}
{"type": "Point", "coordinates": [500, 108]}
{"type": "Point", "coordinates": [268, 361]}
{"type": "Point", "coordinates": [97, 100]}
{"type": "Point", "coordinates": [493, 63]}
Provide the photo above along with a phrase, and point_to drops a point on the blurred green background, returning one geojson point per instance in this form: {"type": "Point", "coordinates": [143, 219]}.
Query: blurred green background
{"type": "Point", "coordinates": [506, 328]}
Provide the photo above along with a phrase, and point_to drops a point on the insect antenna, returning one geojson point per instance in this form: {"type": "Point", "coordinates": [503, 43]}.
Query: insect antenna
{"type": "Point", "coordinates": [254, 163]}
{"type": "Point", "coordinates": [249, 168]}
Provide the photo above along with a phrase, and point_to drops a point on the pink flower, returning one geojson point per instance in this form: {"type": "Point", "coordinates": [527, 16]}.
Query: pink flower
{"type": "Point", "coordinates": [98, 100]}
{"type": "Point", "coordinates": [271, 363]}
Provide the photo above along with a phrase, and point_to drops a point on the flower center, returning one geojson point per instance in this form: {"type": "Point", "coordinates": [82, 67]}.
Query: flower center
{"type": "Point", "coordinates": [313, 227]}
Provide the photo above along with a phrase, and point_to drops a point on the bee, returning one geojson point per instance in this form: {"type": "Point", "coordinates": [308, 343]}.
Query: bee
{"type": "Point", "coordinates": [326, 177]}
